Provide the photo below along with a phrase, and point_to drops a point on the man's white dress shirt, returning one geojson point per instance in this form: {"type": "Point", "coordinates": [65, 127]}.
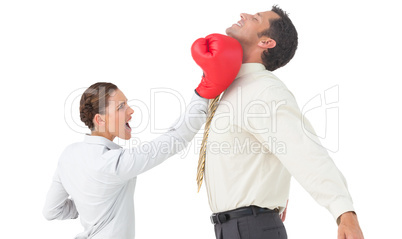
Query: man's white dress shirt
{"type": "Point", "coordinates": [95, 179]}
{"type": "Point", "coordinates": [257, 141]}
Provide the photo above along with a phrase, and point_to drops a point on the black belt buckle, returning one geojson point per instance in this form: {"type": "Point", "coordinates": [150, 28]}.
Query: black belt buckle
{"type": "Point", "coordinates": [219, 218]}
{"type": "Point", "coordinates": [212, 219]}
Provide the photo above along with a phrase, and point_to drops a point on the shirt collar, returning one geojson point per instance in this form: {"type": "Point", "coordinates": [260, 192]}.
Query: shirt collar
{"type": "Point", "coordinates": [247, 68]}
{"type": "Point", "coordinates": [101, 141]}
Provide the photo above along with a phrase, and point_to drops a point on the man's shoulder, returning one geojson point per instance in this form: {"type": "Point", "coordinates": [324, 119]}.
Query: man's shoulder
{"type": "Point", "coordinates": [263, 81]}
{"type": "Point", "coordinates": [269, 78]}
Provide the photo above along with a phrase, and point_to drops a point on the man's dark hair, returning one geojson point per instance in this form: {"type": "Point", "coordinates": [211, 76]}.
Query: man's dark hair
{"type": "Point", "coordinates": [284, 33]}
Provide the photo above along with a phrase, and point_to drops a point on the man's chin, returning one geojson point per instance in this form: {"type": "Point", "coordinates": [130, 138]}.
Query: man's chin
{"type": "Point", "coordinates": [232, 32]}
{"type": "Point", "coordinates": [229, 31]}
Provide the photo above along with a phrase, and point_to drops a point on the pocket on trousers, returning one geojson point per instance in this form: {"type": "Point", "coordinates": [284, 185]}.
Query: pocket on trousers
{"type": "Point", "coordinates": [275, 233]}
{"type": "Point", "coordinates": [276, 230]}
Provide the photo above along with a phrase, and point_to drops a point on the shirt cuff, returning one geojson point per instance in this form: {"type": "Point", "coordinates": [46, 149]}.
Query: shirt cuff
{"type": "Point", "coordinates": [340, 206]}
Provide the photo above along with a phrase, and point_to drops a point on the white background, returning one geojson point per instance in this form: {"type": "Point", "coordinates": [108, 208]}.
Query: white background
{"type": "Point", "coordinates": [50, 50]}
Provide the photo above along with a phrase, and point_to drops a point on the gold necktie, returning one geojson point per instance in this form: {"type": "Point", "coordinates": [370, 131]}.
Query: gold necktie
{"type": "Point", "coordinates": [213, 104]}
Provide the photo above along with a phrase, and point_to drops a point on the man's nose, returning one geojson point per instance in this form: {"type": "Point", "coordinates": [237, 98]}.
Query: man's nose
{"type": "Point", "coordinates": [245, 16]}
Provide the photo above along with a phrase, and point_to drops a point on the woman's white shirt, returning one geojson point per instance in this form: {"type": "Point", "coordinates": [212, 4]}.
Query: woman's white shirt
{"type": "Point", "coordinates": [96, 178]}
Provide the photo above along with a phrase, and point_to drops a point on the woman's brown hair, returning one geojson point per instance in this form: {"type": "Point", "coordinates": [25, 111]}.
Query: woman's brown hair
{"type": "Point", "coordinates": [94, 101]}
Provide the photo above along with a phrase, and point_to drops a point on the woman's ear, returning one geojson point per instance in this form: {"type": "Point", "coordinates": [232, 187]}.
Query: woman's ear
{"type": "Point", "coordinates": [267, 43]}
{"type": "Point", "coordinates": [98, 120]}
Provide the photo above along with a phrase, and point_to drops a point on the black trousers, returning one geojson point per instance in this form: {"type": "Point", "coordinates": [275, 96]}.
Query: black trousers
{"type": "Point", "coordinates": [257, 226]}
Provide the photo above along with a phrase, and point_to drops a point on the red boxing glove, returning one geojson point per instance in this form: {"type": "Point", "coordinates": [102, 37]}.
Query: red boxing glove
{"type": "Point", "coordinates": [220, 57]}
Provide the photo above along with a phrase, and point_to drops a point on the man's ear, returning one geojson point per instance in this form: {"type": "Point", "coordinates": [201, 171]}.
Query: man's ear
{"type": "Point", "coordinates": [98, 120]}
{"type": "Point", "coordinates": [267, 43]}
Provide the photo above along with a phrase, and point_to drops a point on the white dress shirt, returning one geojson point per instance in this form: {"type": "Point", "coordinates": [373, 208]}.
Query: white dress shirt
{"type": "Point", "coordinates": [95, 179]}
{"type": "Point", "coordinates": [257, 142]}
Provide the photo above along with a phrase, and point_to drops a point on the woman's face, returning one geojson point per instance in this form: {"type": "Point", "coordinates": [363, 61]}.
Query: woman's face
{"type": "Point", "coordinates": [117, 116]}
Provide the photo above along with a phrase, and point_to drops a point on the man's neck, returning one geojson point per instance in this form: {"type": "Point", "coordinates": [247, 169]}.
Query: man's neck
{"type": "Point", "coordinates": [252, 55]}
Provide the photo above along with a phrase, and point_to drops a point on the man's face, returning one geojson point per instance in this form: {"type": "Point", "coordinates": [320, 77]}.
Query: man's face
{"type": "Point", "coordinates": [246, 30]}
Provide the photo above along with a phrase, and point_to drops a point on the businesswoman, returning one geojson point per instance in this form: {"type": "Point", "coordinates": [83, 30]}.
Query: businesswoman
{"type": "Point", "coordinates": [96, 178]}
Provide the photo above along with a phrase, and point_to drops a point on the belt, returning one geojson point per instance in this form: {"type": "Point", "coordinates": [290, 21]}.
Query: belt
{"type": "Point", "coordinates": [223, 217]}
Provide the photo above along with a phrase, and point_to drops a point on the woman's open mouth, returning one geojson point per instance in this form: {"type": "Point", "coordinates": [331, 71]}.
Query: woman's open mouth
{"type": "Point", "coordinates": [128, 125]}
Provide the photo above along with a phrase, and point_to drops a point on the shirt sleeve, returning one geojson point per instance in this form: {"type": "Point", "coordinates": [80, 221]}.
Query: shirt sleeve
{"type": "Point", "coordinates": [277, 118]}
{"type": "Point", "coordinates": [128, 163]}
{"type": "Point", "coordinates": [58, 205]}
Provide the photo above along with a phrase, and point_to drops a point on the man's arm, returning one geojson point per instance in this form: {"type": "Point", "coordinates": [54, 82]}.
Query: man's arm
{"type": "Point", "coordinates": [306, 160]}
{"type": "Point", "coordinates": [58, 205]}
